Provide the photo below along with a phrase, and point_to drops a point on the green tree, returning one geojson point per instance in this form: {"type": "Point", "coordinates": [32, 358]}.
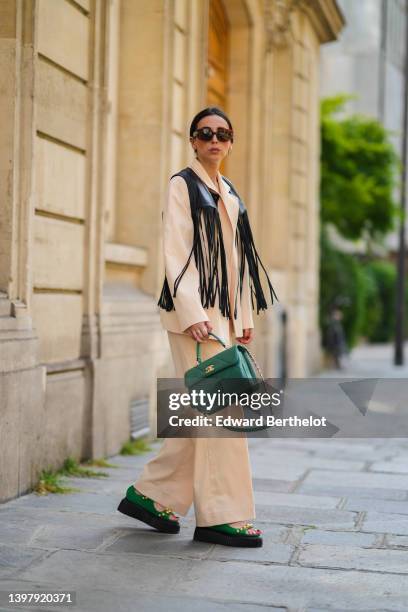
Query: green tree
{"type": "Point", "coordinates": [341, 286]}
{"type": "Point", "coordinates": [373, 304]}
{"type": "Point", "coordinates": [358, 177]}
{"type": "Point", "coordinates": [385, 277]}
{"type": "Point", "coordinates": [358, 173]}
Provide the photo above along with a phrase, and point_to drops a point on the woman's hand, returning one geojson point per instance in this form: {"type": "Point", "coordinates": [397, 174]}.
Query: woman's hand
{"type": "Point", "coordinates": [199, 331]}
{"type": "Point", "coordinates": [247, 337]}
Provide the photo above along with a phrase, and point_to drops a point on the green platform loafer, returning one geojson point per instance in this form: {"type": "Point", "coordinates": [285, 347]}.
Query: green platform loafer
{"type": "Point", "coordinates": [229, 536]}
{"type": "Point", "coordinates": [140, 507]}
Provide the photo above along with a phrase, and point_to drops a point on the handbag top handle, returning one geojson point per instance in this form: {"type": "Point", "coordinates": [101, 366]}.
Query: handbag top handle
{"type": "Point", "coordinates": [198, 347]}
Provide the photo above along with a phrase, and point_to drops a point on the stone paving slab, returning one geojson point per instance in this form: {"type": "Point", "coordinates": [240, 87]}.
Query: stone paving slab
{"type": "Point", "coordinates": [18, 531]}
{"type": "Point", "coordinates": [74, 537]}
{"type": "Point", "coordinates": [16, 558]}
{"type": "Point", "coordinates": [355, 492]}
{"type": "Point", "coordinates": [102, 600]}
{"type": "Point", "coordinates": [385, 523]}
{"type": "Point", "coordinates": [341, 610]}
{"type": "Point", "coordinates": [147, 541]}
{"type": "Point", "coordinates": [357, 479]}
{"type": "Point", "coordinates": [234, 581]}
{"type": "Point", "coordinates": [296, 500]}
{"type": "Point", "coordinates": [130, 461]}
{"type": "Point", "coordinates": [374, 449]}
{"type": "Point", "coordinates": [26, 515]}
{"type": "Point", "coordinates": [396, 540]}
{"type": "Point", "coordinates": [72, 569]}
{"type": "Point", "coordinates": [272, 484]}
{"type": "Point", "coordinates": [284, 460]}
{"type": "Point", "coordinates": [290, 472]}
{"type": "Point", "coordinates": [59, 529]}
{"type": "Point", "coordinates": [340, 538]}
{"type": "Point", "coordinates": [144, 541]}
{"type": "Point", "coordinates": [395, 466]}
{"type": "Point", "coordinates": [329, 519]}
{"type": "Point", "coordinates": [114, 484]}
{"type": "Point", "coordinates": [270, 552]}
{"type": "Point", "coordinates": [101, 503]}
{"type": "Point", "coordinates": [354, 558]}
{"type": "Point", "coordinates": [379, 505]}
{"type": "Point", "coordinates": [297, 587]}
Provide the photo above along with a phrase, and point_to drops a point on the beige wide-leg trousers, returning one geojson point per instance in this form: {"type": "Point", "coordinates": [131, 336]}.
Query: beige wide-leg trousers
{"type": "Point", "coordinates": [214, 473]}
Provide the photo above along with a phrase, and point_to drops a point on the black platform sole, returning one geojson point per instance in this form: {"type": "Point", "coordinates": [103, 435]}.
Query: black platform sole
{"type": "Point", "coordinates": [206, 534]}
{"type": "Point", "coordinates": [138, 512]}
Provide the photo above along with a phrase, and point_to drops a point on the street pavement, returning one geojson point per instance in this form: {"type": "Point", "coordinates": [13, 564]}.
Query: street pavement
{"type": "Point", "coordinates": [334, 514]}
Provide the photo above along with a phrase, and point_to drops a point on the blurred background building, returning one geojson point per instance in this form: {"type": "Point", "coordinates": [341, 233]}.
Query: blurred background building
{"type": "Point", "coordinates": [96, 97]}
{"type": "Point", "coordinates": [367, 61]}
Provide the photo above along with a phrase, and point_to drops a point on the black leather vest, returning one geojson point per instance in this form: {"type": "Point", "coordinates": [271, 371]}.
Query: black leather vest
{"type": "Point", "coordinates": [210, 259]}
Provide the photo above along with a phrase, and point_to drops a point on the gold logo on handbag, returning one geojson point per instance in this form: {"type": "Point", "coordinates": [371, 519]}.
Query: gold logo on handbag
{"type": "Point", "coordinates": [231, 371]}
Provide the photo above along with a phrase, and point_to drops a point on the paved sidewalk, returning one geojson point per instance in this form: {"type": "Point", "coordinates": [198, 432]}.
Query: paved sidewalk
{"type": "Point", "coordinates": [334, 514]}
{"type": "Point", "coordinates": [374, 361]}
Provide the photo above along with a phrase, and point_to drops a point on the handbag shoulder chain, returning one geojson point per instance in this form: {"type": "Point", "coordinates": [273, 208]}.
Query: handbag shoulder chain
{"type": "Point", "coordinates": [255, 363]}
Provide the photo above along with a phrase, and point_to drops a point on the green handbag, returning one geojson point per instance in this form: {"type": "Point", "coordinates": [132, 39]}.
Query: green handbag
{"type": "Point", "coordinates": [230, 371]}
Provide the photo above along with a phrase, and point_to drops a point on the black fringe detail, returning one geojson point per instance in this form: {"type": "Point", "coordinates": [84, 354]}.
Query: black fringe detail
{"type": "Point", "coordinates": [212, 262]}
{"type": "Point", "coordinates": [165, 300]}
{"type": "Point", "coordinates": [249, 253]}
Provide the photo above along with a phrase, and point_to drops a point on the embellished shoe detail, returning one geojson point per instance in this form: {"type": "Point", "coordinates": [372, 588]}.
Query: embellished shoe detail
{"type": "Point", "coordinates": [251, 526]}
{"type": "Point", "coordinates": [166, 512]}
{"type": "Point", "coordinates": [246, 527]}
{"type": "Point", "coordinates": [141, 507]}
{"type": "Point", "coordinates": [229, 536]}
{"type": "Point", "coordinates": [229, 529]}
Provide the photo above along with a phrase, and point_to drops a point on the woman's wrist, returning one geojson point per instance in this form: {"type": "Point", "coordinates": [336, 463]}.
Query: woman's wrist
{"type": "Point", "coordinates": [247, 335]}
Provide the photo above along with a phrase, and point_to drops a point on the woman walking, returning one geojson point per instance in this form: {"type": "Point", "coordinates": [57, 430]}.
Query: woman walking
{"type": "Point", "coordinates": [211, 281]}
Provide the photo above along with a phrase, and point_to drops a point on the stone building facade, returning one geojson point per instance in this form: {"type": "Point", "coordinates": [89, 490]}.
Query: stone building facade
{"type": "Point", "coordinates": [367, 61]}
{"type": "Point", "coordinates": [95, 102]}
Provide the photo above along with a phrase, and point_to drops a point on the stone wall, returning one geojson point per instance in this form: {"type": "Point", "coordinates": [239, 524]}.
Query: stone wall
{"type": "Point", "coordinates": [96, 100]}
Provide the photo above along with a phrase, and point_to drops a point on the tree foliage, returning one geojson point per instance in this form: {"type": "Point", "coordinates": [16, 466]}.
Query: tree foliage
{"type": "Point", "coordinates": [358, 173]}
{"type": "Point", "coordinates": [341, 286]}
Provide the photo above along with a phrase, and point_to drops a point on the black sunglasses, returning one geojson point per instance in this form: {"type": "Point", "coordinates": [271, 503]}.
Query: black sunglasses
{"type": "Point", "coordinates": [206, 134]}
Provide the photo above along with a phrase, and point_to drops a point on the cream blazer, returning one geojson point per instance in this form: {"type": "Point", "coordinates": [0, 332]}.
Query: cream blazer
{"type": "Point", "coordinates": [177, 245]}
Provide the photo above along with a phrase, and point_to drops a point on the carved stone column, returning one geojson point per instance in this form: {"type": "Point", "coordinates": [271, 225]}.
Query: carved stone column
{"type": "Point", "coordinates": [278, 22]}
